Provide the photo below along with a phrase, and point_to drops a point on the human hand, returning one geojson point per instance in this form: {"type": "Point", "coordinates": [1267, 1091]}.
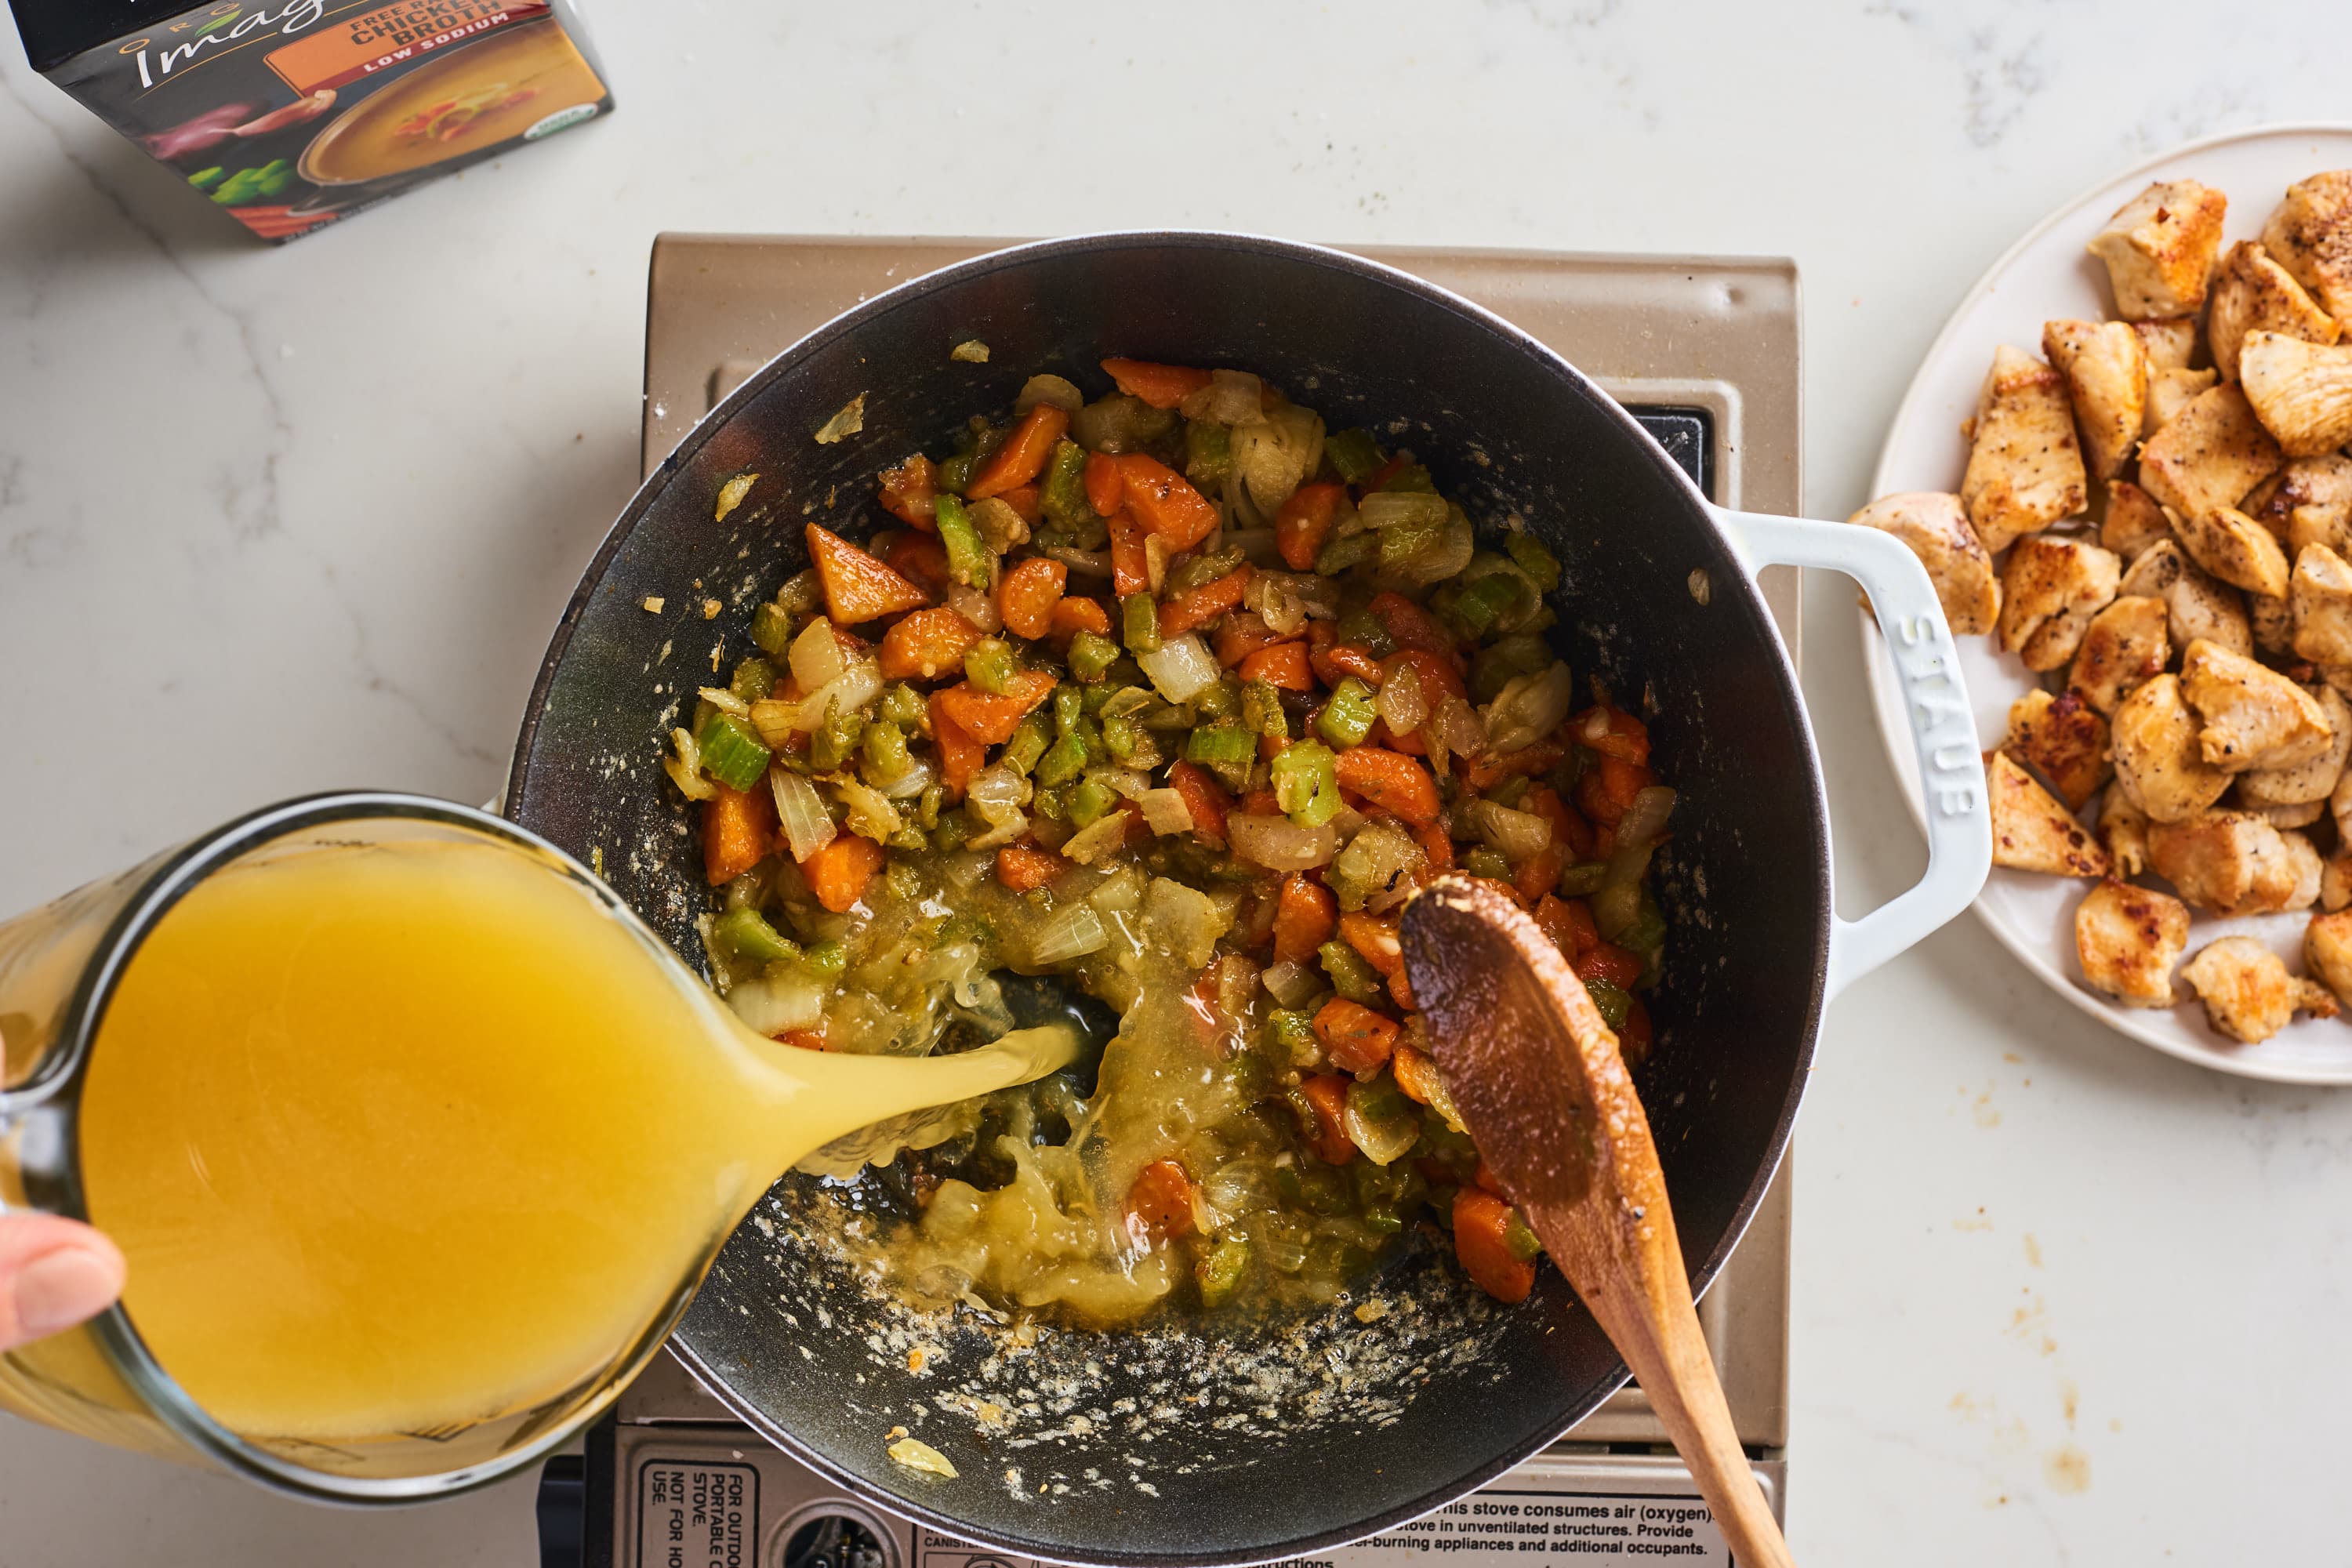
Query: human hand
{"type": "Point", "coordinates": [54, 1273]}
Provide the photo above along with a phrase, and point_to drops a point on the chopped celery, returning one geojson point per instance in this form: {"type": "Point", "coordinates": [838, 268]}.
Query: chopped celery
{"type": "Point", "coordinates": [1339, 555]}
{"type": "Point", "coordinates": [1499, 664]}
{"type": "Point", "coordinates": [887, 759]}
{"type": "Point", "coordinates": [1220, 741]}
{"type": "Point", "coordinates": [835, 739]}
{"type": "Point", "coordinates": [1351, 976]}
{"type": "Point", "coordinates": [1069, 707]}
{"type": "Point", "coordinates": [928, 804]}
{"type": "Point", "coordinates": [1523, 1242]}
{"type": "Point", "coordinates": [1354, 454]}
{"type": "Point", "coordinates": [1220, 1273]}
{"type": "Point", "coordinates": [753, 680]}
{"type": "Point", "coordinates": [953, 473]}
{"type": "Point", "coordinates": [1510, 792]}
{"type": "Point", "coordinates": [989, 666]}
{"type": "Point", "coordinates": [1123, 736]}
{"type": "Point", "coordinates": [907, 836]}
{"type": "Point", "coordinates": [1199, 571]}
{"type": "Point", "coordinates": [747, 935]}
{"type": "Point", "coordinates": [1307, 784]}
{"type": "Point", "coordinates": [1053, 804]}
{"type": "Point", "coordinates": [902, 705]}
{"type": "Point", "coordinates": [732, 750]}
{"type": "Point", "coordinates": [1089, 800]}
{"type": "Point", "coordinates": [826, 959]}
{"type": "Point", "coordinates": [1030, 739]}
{"type": "Point", "coordinates": [1208, 452]}
{"type": "Point", "coordinates": [1062, 495]}
{"type": "Point", "coordinates": [1221, 699]}
{"type": "Point", "coordinates": [1288, 1038]}
{"type": "Point", "coordinates": [1363, 628]}
{"type": "Point", "coordinates": [1613, 1003]}
{"type": "Point", "coordinates": [1411, 476]}
{"type": "Point", "coordinates": [1262, 710]}
{"type": "Point", "coordinates": [1527, 552]}
{"type": "Point", "coordinates": [954, 828]}
{"type": "Point", "coordinates": [771, 628]}
{"type": "Point", "coordinates": [968, 558]}
{"type": "Point", "coordinates": [1091, 654]}
{"type": "Point", "coordinates": [1348, 718]}
{"type": "Point", "coordinates": [1485, 862]}
{"type": "Point", "coordinates": [1647, 933]}
{"type": "Point", "coordinates": [1582, 882]}
{"type": "Point", "coordinates": [1493, 600]}
{"type": "Point", "coordinates": [1089, 734]}
{"type": "Point", "coordinates": [1139, 622]}
{"type": "Point", "coordinates": [1063, 759]}
{"type": "Point", "coordinates": [1404, 541]}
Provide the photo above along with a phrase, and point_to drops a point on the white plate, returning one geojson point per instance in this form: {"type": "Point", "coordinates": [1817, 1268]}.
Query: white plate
{"type": "Point", "coordinates": [2046, 275]}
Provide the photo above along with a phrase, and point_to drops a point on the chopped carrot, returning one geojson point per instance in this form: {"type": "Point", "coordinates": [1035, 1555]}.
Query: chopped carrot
{"type": "Point", "coordinates": [1392, 780]}
{"type": "Point", "coordinates": [1206, 799]}
{"type": "Point", "coordinates": [1612, 733]}
{"type": "Point", "coordinates": [1482, 1228]}
{"type": "Point", "coordinates": [991, 717]}
{"type": "Point", "coordinates": [1375, 937]}
{"type": "Point", "coordinates": [804, 1039]}
{"type": "Point", "coordinates": [1304, 521]}
{"type": "Point", "coordinates": [919, 558]}
{"type": "Point", "coordinates": [1283, 666]}
{"type": "Point", "coordinates": [1023, 457]}
{"type": "Point", "coordinates": [1633, 1039]}
{"type": "Point", "coordinates": [1327, 1093]}
{"type": "Point", "coordinates": [1401, 992]}
{"type": "Point", "coordinates": [1607, 960]}
{"type": "Point", "coordinates": [1556, 918]}
{"type": "Point", "coordinates": [1436, 844]}
{"type": "Point", "coordinates": [1539, 874]}
{"type": "Point", "coordinates": [1075, 614]}
{"type": "Point", "coordinates": [1570, 831]}
{"type": "Point", "coordinates": [1024, 868]}
{"type": "Point", "coordinates": [960, 755]}
{"type": "Point", "coordinates": [1105, 491]}
{"type": "Point", "coordinates": [856, 586]}
{"type": "Point", "coordinates": [1608, 791]}
{"type": "Point", "coordinates": [1304, 915]}
{"type": "Point", "coordinates": [1130, 563]}
{"type": "Point", "coordinates": [1164, 503]}
{"type": "Point", "coordinates": [1261, 803]}
{"type": "Point", "coordinates": [1204, 604]}
{"type": "Point", "coordinates": [1409, 626]}
{"type": "Point", "coordinates": [1438, 680]}
{"type": "Point", "coordinates": [739, 829]}
{"type": "Point", "coordinates": [1161, 386]}
{"type": "Point", "coordinates": [1025, 596]}
{"type": "Point", "coordinates": [1241, 634]}
{"type": "Point", "coordinates": [838, 872]}
{"type": "Point", "coordinates": [1356, 1038]}
{"type": "Point", "coordinates": [911, 492]}
{"type": "Point", "coordinates": [924, 645]}
{"type": "Point", "coordinates": [1488, 772]}
{"type": "Point", "coordinates": [1416, 1075]}
{"type": "Point", "coordinates": [1160, 1204]}
{"type": "Point", "coordinates": [1027, 501]}
{"type": "Point", "coordinates": [1334, 661]}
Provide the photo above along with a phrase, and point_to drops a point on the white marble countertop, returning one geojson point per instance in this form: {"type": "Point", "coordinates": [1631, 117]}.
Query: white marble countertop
{"type": "Point", "coordinates": [302, 518]}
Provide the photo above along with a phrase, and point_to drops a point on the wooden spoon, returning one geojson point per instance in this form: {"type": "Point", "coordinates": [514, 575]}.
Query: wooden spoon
{"type": "Point", "coordinates": [1539, 1081]}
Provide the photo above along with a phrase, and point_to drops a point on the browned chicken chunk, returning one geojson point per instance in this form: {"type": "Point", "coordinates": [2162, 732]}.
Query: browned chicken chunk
{"type": "Point", "coordinates": [2123, 830]}
{"type": "Point", "coordinates": [2236, 549]}
{"type": "Point", "coordinates": [2133, 521]}
{"type": "Point", "coordinates": [2025, 469]}
{"type": "Point", "coordinates": [2248, 994]}
{"type": "Point", "coordinates": [1937, 530]}
{"type": "Point", "coordinates": [2170, 342]}
{"type": "Point", "coordinates": [2209, 455]}
{"type": "Point", "coordinates": [2159, 247]}
{"type": "Point", "coordinates": [2049, 592]}
{"type": "Point", "coordinates": [2128, 939]}
{"type": "Point", "coordinates": [2321, 600]}
{"type": "Point", "coordinates": [2308, 783]}
{"type": "Point", "coordinates": [2159, 766]}
{"type": "Point", "coordinates": [2234, 863]}
{"type": "Point", "coordinates": [2031, 831]}
{"type": "Point", "coordinates": [2301, 392]}
{"type": "Point", "coordinates": [2105, 367]}
{"type": "Point", "coordinates": [2198, 606]}
{"type": "Point", "coordinates": [2310, 235]}
{"type": "Point", "coordinates": [2328, 951]}
{"type": "Point", "coordinates": [2253, 716]}
{"type": "Point", "coordinates": [2253, 293]}
{"type": "Point", "coordinates": [2308, 502]}
{"type": "Point", "coordinates": [2063, 741]}
{"type": "Point", "coordinates": [2125, 645]}
{"type": "Point", "coordinates": [2170, 391]}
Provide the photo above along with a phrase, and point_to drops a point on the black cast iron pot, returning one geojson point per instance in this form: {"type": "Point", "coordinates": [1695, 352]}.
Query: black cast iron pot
{"type": "Point", "coordinates": [1254, 1442]}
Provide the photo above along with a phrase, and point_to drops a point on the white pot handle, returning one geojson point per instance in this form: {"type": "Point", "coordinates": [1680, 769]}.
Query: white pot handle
{"type": "Point", "coordinates": [1943, 728]}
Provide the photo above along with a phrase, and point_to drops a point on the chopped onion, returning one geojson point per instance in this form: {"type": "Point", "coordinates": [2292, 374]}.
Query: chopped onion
{"type": "Point", "coordinates": [1003, 833]}
{"type": "Point", "coordinates": [871, 814]}
{"type": "Point", "coordinates": [997, 793]}
{"type": "Point", "coordinates": [1517, 833]}
{"type": "Point", "coordinates": [1637, 835]}
{"type": "Point", "coordinates": [772, 1006]}
{"type": "Point", "coordinates": [1164, 811]}
{"type": "Point", "coordinates": [1387, 509]}
{"type": "Point", "coordinates": [1074, 931]}
{"type": "Point", "coordinates": [975, 606]}
{"type": "Point", "coordinates": [685, 767]}
{"type": "Point", "coordinates": [1453, 727]}
{"type": "Point", "coordinates": [1231, 398]}
{"type": "Point", "coordinates": [776, 719]}
{"type": "Point", "coordinates": [1129, 781]}
{"type": "Point", "coordinates": [1529, 708]}
{"type": "Point", "coordinates": [1274, 596]}
{"type": "Point", "coordinates": [919, 777]}
{"type": "Point", "coordinates": [859, 684]}
{"type": "Point", "coordinates": [1444, 558]}
{"type": "Point", "coordinates": [1062, 394]}
{"type": "Point", "coordinates": [1380, 861]}
{"type": "Point", "coordinates": [816, 656]}
{"type": "Point", "coordinates": [1279, 844]}
{"type": "Point", "coordinates": [808, 826]}
{"type": "Point", "coordinates": [1101, 837]}
{"type": "Point", "coordinates": [1186, 919]}
{"type": "Point", "coordinates": [1290, 983]}
{"type": "Point", "coordinates": [726, 701]}
{"type": "Point", "coordinates": [1273, 454]}
{"type": "Point", "coordinates": [1383, 1139]}
{"type": "Point", "coordinates": [1182, 668]}
{"type": "Point", "coordinates": [1401, 704]}
{"type": "Point", "coordinates": [1155, 562]}
{"type": "Point", "coordinates": [1085, 563]}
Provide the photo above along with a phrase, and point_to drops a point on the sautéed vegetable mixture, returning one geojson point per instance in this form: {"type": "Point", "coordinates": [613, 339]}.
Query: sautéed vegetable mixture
{"type": "Point", "coordinates": [1178, 697]}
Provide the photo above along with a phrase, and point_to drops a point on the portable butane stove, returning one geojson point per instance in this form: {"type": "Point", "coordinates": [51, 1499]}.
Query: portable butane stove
{"type": "Point", "coordinates": [1704, 354]}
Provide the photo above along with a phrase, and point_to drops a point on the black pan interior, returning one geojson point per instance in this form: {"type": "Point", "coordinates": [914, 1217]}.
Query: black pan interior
{"type": "Point", "coordinates": [1170, 1448]}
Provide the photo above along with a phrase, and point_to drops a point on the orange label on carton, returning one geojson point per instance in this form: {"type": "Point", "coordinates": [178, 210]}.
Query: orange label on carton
{"type": "Point", "coordinates": [389, 37]}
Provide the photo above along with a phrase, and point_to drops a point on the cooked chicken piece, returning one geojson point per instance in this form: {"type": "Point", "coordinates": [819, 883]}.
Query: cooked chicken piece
{"type": "Point", "coordinates": [2309, 502]}
{"type": "Point", "coordinates": [2253, 293]}
{"type": "Point", "coordinates": [2031, 831]}
{"type": "Point", "coordinates": [2159, 249]}
{"type": "Point", "coordinates": [2236, 549]}
{"type": "Point", "coordinates": [2248, 994]}
{"type": "Point", "coordinates": [2025, 470]}
{"type": "Point", "coordinates": [2170, 391]}
{"type": "Point", "coordinates": [2105, 368]}
{"type": "Point", "coordinates": [2133, 521]}
{"type": "Point", "coordinates": [2049, 592]}
{"type": "Point", "coordinates": [2063, 741]}
{"type": "Point", "coordinates": [2234, 863]}
{"type": "Point", "coordinates": [2322, 600]}
{"type": "Point", "coordinates": [2301, 392]}
{"type": "Point", "coordinates": [2254, 717]}
{"type": "Point", "coordinates": [2336, 881]}
{"type": "Point", "coordinates": [2123, 832]}
{"type": "Point", "coordinates": [2200, 607]}
{"type": "Point", "coordinates": [2306, 783]}
{"type": "Point", "coordinates": [2208, 456]}
{"type": "Point", "coordinates": [2158, 766]}
{"type": "Point", "coordinates": [2124, 645]}
{"type": "Point", "coordinates": [2273, 621]}
{"type": "Point", "coordinates": [2128, 939]}
{"type": "Point", "coordinates": [2170, 342]}
{"type": "Point", "coordinates": [2310, 235]}
{"type": "Point", "coordinates": [2328, 951]}
{"type": "Point", "coordinates": [2286, 817]}
{"type": "Point", "coordinates": [1938, 532]}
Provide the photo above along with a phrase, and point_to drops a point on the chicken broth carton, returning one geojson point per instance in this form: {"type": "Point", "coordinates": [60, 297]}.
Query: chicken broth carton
{"type": "Point", "coordinates": [288, 114]}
